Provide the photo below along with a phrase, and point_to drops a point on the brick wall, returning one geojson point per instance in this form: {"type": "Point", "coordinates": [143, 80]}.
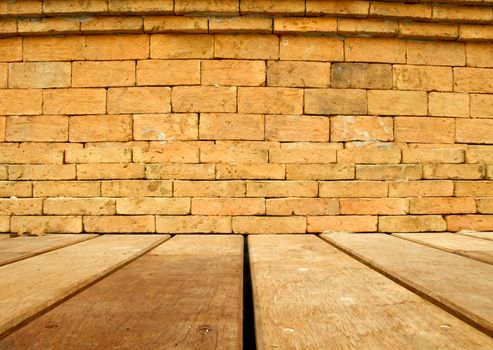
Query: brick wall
{"type": "Point", "coordinates": [256, 116]}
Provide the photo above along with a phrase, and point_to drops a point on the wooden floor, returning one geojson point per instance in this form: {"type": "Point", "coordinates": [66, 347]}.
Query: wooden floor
{"type": "Point", "coordinates": [333, 291]}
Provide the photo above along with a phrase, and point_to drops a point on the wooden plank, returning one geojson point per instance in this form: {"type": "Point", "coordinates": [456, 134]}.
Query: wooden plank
{"type": "Point", "coordinates": [310, 295]}
{"type": "Point", "coordinates": [18, 248]}
{"type": "Point", "coordinates": [29, 286]}
{"type": "Point", "coordinates": [185, 294]}
{"type": "Point", "coordinates": [483, 235]}
{"type": "Point", "coordinates": [470, 247]}
{"type": "Point", "coordinates": [461, 285]}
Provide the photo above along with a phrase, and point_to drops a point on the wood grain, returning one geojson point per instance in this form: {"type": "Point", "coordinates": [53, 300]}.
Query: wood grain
{"type": "Point", "coordinates": [471, 247]}
{"type": "Point", "coordinates": [18, 248]}
{"type": "Point", "coordinates": [483, 235]}
{"type": "Point", "coordinates": [310, 295]}
{"type": "Point", "coordinates": [459, 284]}
{"type": "Point", "coordinates": [185, 294]}
{"type": "Point", "coordinates": [29, 286]}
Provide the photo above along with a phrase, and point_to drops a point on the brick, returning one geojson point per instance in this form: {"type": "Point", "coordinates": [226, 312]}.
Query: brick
{"type": "Point", "coordinates": [298, 74]}
{"type": "Point", "coordinates": [481, 106]}
{"type": "Point", "coordinates": [442, 205]}
{"type": "Point", "coordinates": [363, 50]}
{"type": "Point", "coordinates": [250, 171]}
{"type": "Point", "coordinates": [337, 8]}
{"type": "Point", "coordinates": [66, 189]}
{"type": "Point", "coordinates": [469, 222]}
{"type": "Point", "coordinates": [98, 155]}
{"type": "Point", "coordinates": [115, 47]}
{"type": "Point", "coordinates": [15, 189]}
{"type": "Point", "coordinates": [46, 224]}
{"type": "Point", "coordinates": [74, 101]}
{"type": "Point", "coordinates": [53, 48]}
{"type": "Point", "coordinates": [168, 72]}
{"type": "Point", "coordinates": [41, 172]}
{"type": "Point", "coordinates": [420, 156]}
{"type": "Point", "coordinates": [209, 189]}
{"type": "Point", "coordinates": [475, 32]}
{"type": "Point", "coordinates": [3, 126]}
{"type": "Point", "coordinates": [161, 206]}
{"type": "Point", "coordinates": [474, 188]}
{"type": "Point", "coordinates": [391, 102]}
{"type": "Point", "coordinates": [228, 206]}
{"type": "Point", "coordinates": [182, 46]}
{"type": "Point", "coordinates": [246, 46]}
{"type": "Point", "coordinates": [193, 224]}
{"type": "Point", "coordinates": [302, 156]}
{"type": "Point", "coordinates": [436, 53]}
{"type": "Point", "coordinates": [269, 225]}
{"type": "Point", "coordinates": [141, 6]}
{"type": "Point", "coordinates": [240, 25]}
{"type": "Point", "coordinates": [105, 24]}
{"type": "Point", "coordinates": [282, 188]}
{"type": "Point", "coordinates": [479, 156]}
{"type": "Point", "coordinates": [361, 75]}
{"type": "Point", "coordinates": [11, 49]}
{"type": "Point", "coordinates": [175, 24]}
{"type": "Point", "coordinates": [54, 7]}
{"type": "Point", "coordinates": [275, 7]}
{"type": "Point", "coordinates": [165, 127]}
{"type": "Point", "coordinates": [215, 6]}
{"type": "Point", "coordinates": [119, 224]}
{"type": "Point", "coordinates": [335, 101]}
{"type": "Point", "coordinates": [367, 26]}
{"type": "Point", "coordinates": [353, 189]}
{"type": "Point", "coordinates": [299, 48]}
{"type": "Point", "coordinates": [474, 131]}
{"type": "Point", "coordinates": [32, 146]}
{"type": "Point", "coordinates": [103, 74]}
{"type": "Point", "coordinates": [52, 25]}
{"type": "Point", "coordinates": [302, 206]}
{"type": "Point", "coordinates": [30, 7]}
{"type": "Point", "coordinates": [445, 104]}
{"type": "Point", "coordinates": [473, 80]}
{"type": "Point", "coordinates": [231, 127]}
{"type": "Point", "coordinates": [429, 78]}
{"type": "Point", "coordinates": [305, 25]}
{"type": "Point", "coordinates": [26, 206]}
{"type": "Point", "coordinates": [410, 223]}
{"type": "Point", "coordinates": [421, 189]}
{"type": "Point", "coordinates": [319, 171]}
{"type": "Point", "coordinates": [39, 128]}
{"type": "Point", "coordinates": [180, 171]}
{"type": "Point", "coordinates": [3, 75]}
{"type": "Point", "coordinates": [23, 156]}
{"type": "Point", "coordinates": [78, 206]}
{"type": "Point", "coordinates": [388, 172]}
{"type": "Point", "coordinates": [235, 154]}
{"type": "Point", "coordinates": [374, 206]}
{"type": "Point", "coordinates": [320, 224]}
{"type": "Point", "coordinates": [360, 156]}
{"type": "Point", "coordinates": [8, 26]}
{"type": "Point", "coordinates": [485, 205]}
{"type": "Point", "coordinates": [139, 100]}
{"type": "Point", "coordinates": [462, 13]}
{"type": "Point", "coordinates": [424, 130]}
{"type": "Point", "coordinates": [361, 128]}
{"type": "Point", "coordinates": [110, 171]}
{"type": "Point", "coordinates": [100, 128]}
{"type": "Point", "coordinates": [5, 224]}
{"type": "Point", "coordinates": [235, 73]}
{"type": "Point", "coordinates": [479, 54]}
{"type": "Point", "coordinates": [248, 144]}
{"type": "Point", "coordinates": [454, 171]}
{"type": "Point", "coordinates": [20, 101]}
{"type": "Point", "coordinates": [423, 30]}
{"type": "Point", "coordinates": [174, 152]}
{"type": "Point", "coordinates": [204, 99]}
{"type": "Point", "coordinates": [136, 188]}
{"type": "Point", "coordinates": [270, 100]}
{"type": "Point", "coordinates": [39, 75]}
{"type": "Point", "coordinates": [398, 10]}
{"type": "Point", "coordinates": [3, 173]}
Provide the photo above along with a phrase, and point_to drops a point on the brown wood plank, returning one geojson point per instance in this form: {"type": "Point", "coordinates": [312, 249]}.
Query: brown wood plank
{"type": "Point", "coordinates": [483, 235]}
{"type": "Point", "coordinates": [310, 295]}
{"type": "Point", "coordinates": [470, 247]}
{"type": "Point", "coordinates": [185, 294]}
{"type": "Point", "coordinates": [459, 284]}
{"type": "Point", "coordinates": [18, 248]}
{"type": "Point", "coordinates": [29, 286]}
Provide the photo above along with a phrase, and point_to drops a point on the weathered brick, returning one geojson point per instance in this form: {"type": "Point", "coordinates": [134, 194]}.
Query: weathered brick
{"type": "Point", "coordinates": [215, 6]}
{"type": "Point", "coordinates": [424, 130]}
{"type": "Point", "coordinates": [139, 100]}
{"type": "Point", "coordinates": [363, 156]}
{"type": "Point", "coordinates": [250, 171]}
{"type": "Point", "coordinates": [398, 10]}
{"type": "Point", "coordinates": [302, 156]}
{"type": "Point", "coordinates": [54, 7]}
{"type": "Point", "coordinates": [46, 224]}
{"type": "Point", "coordinates": [99, 155]}
{"type": "Point", "coordinates": [269, 225]}
{"type": "Point", "coordinates": [74, 101]}
{"type": "Point", "coordinates": [231, 127]}
{"type": "Point", "coordinates": [233, 154]}
{"type": "Point", "coordinates": [161, 206]}
{"type": "Point", "coordinates": [11, 49]}
{"type": "Point", "coordinates": [479, 54]}
{"type": "Point", "coordinates": [182, 46]}
{"type": "Point", "coordinates": [474, 130]}
{"type": "Point", "coordinates": [168, 72]}
{"type": "Point", "coordinates": [100, 128]}
{"type": "Point", "coordinates": [473, 80]}
{"type": "Point", "coordinates": [361, 128]}
{"type": "Point", "coordinates": [481, 106]}
{"type": "Point", "coordinates": [3, 126]}
{"type": "Point", "coordinates": [284, 7]}
{"type": "Point", "coordinates": [335, 101]}
{"type": "Point", "coordinates": [48, 48]}
{"type": "Point", "coordinates": [15, 189]}
{"type": "Point", "coordinates": [305, 25]}
{"type": "Point", "coordinates": [348, 223]}
{"type": "Point", "coordinates": [165, 127]}
{"type": "Point", "coordinates": [39, 128]}
{"type": "Point", "coordinates": [298, 74]}
{"type": "Point", "coordinates": [175, 24]}
{"type": "Point", "coordinates": [204, 99]}
{"type": "Point", "coordinates": [20, 101]}
{"type": "Point", "coordinates": [52, 25]}
{"type": "Point", "coordinates": [41, 172]}
{"type": "Point", "coordinates": [66, 189]}
{"type": "Point", "coordinates": [454, 171]}
{"type": "Point", "coordinates": [462, 13]}
{"type": "Point", "coordinates": [338, 8]}
{"type": "Point", "coordinates": [30, 7]}
{"type": "Point", "coordinates": [39, 74]}
{"type": "Point", "coordinates": [119, 224]}
{"type": "Point", "coordinates": [388, 172]}
{"type": "Point", "coordinates": [141, 6]}
{"type": "Point", "coordinates": [3, 173]}
{"type": "Point", "coordinates": [240, 24]}
{"type": "Point", "coordinates": [479, 156]}
{"type": "Point", "coordinates": [228, 206]}
{"type": "Point", "coordinates": [281, 188]}
{"type": "Point", "coordinates": [5, 223]}
{"type": "Point", "coordinates": [110, 171]}
{"type": "Point", "coordinates": [112, 24]}
{"type": "Point", "coordinates": [78, 206]}
{"type": "Point", "coordinates": [392, 102]}
{"type": "Point", "coordinates": [469, 222]}
{"type": "Point", "coordinates": [23, 156]}
{"type": "Point", "coordinates": [473, 188]}
{"type": "Point", "coordinates": [361, 75]}
{"type": "Point", "coordinates": [136, 188]}
{"type": "Point", "coordinates": [246, 46]}
{"type": "Point", "coordinates": [193, 224]}
{"type": "Point", "coordinates": [302, 206]}
{"type": "Point", "coordinates": [436, 53]}
{"type": "Point", "coordinates": [485, 205]}
{"type": "Point", "coordinates": [4, 75]}
{"type": "Point", "coordinates": [299, 48]}
{"type": "Point", "coordinates": [270, 100]}
{"type": "Point", "coordinates": [209, 189]}
{"type": "Point", "coordinates": [367, 26]}
{"type": "Point", "coordinates": [180, 171]}
{"type": "Point", "coordinates": [412, 155]}
{"type": "Point", "coordinates": [424, 30]}
{"type": "Point", "coordinates": [421, 189]}
{"type": "Point", "coordinates": [353, 189]}
{"type": "Point", "coordinates": [115, 47]}
{"type": "Point", "coordinates": [442, 205]}
{"type": "Point", "coordinates": [319, 171]}
{"type": "Point", "coordinates": [102, 74]}
{"type": "Point", "coordinates": [411, 223]}
{"type": "Point", "coordinates": [446, 104]}
{"type": "Point", "coordinates": [363, 50]}
{"type": "Point", "coordinates": [430, 78]}
{"type": "Point", "coordinates": [374, 206]}
{"type": "Point", "coordinates": [25, 206]}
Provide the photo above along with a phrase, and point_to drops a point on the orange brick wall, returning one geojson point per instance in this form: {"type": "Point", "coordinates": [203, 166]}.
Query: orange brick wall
{"type": "Point", "coordinates": [251, 116]}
